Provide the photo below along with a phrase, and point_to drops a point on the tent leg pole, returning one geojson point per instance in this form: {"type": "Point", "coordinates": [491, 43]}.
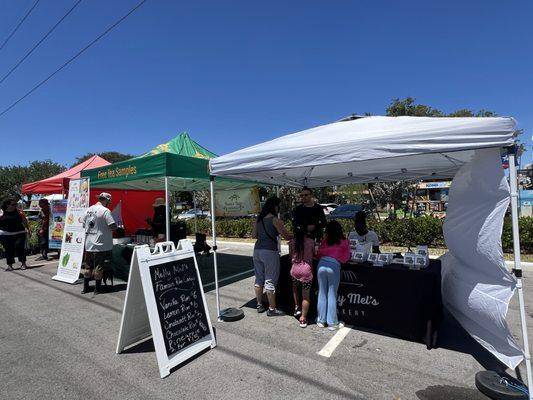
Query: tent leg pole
{"type": "Point", "coordinates": [167, 216]}
{"type": "Point", "coordinates": [517, 266]}
{"type": "Point", "coordinates": [195, 214]}
{"type": "Point", "coordinates": [214, 233]}
{"type": "Point", "coordinates": [277, 195]}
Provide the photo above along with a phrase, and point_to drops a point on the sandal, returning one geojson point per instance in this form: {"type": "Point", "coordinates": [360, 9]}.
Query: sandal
{"type": "Point", "coordinates": [303, 323]}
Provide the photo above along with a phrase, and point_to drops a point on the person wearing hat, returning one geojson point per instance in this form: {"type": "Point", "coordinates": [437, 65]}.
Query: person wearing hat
{"type": "Point", "coordinates": [159, 221]}
{"type": "Point", "coordinates": [99, 226]}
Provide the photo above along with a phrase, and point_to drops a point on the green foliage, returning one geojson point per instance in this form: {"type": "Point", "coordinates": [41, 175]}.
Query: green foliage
{"type": "Point", "coordinates": [407, 106]}
{"type": "Point", "coordinates": [353, 193]}
{"type": "Point", "coordinates": [12, 177]}
{"type": "Point", "coordinates": [111, 156]}
{"type": "Point", "coordinates": [405, 232]}
{"type": "Point", "coordinates": [525, 226]}
{"type": "Point", "coordinates": [34, 239]}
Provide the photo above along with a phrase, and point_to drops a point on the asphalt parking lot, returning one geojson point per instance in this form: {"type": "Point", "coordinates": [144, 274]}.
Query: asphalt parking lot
{"type": "Point", "coordinates": [58, 344]}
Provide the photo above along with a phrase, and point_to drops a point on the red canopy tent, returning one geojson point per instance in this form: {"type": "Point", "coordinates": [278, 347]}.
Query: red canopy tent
{"type": "Point", "coordinates": [60, 183]}
{"type": "Point", "coordinates": [136, 204]}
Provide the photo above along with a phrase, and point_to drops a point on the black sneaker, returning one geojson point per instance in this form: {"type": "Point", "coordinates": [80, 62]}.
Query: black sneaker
{"type": "Point", "coordinates": [275, 313]}
{"type": "Point", "coordinates": [261, 308]}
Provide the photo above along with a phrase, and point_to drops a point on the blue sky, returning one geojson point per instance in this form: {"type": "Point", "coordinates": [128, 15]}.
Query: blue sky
{"type": "Point", "coordinates": [236, 73]}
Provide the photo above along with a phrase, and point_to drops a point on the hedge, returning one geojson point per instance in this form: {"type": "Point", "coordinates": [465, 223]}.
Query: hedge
{"type": "Point", "coordinates": [400, 232]}
{"type": "Point", "coordinates": [407, 232]}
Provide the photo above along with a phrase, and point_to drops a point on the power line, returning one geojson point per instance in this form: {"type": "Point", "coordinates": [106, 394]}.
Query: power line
{"type": "Point", "coordinates": [40, 41]}
{"type": "Point", "coordinates": [73, 57]}
{"type": "Point", "coordinates": [19, 24]}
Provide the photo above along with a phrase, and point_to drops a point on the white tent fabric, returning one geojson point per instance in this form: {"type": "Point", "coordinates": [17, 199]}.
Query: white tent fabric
{"type": "Point", "coordinates": [117, 214]}
{"type": "Point", "coordinates": [476, 286]}
{"type": "Point", "coordinates": [346, 152]}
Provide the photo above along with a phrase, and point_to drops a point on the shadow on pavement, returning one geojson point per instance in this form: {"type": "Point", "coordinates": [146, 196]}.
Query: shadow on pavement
{"type": "Point", "coordinates": [34, 266]}
{"type": "Point", "coordinates": [331, 390]}
{"type": "Point", "coordinates": [231, 268]}
{"type": "Point", "coordinates": [452, 336]}
{"type": "Point", "coordinates": [144, 347]}
{"type": "Point", "coordinates": [446, 392]}
{"type": "Point", "coordinates": [115, 288]}
{"type": "Point", "coordinates": [148, 347]}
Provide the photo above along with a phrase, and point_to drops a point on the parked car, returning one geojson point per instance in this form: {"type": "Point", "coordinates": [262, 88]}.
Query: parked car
{"type": "Point", "coordinates": [346, 211]}
{"type": "Point", "coordinates": [329, 207]}
{"type": "Point", "coordinates": [189, 214]}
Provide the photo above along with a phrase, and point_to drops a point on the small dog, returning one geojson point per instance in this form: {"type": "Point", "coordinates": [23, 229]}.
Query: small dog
{"type": "Point", "coordinates": [108, 274]}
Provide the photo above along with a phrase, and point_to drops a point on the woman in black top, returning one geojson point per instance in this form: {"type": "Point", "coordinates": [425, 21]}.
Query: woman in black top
{"type": "Point", "coordinates": [13, 229]}
{"type": "Point", "coordinates": [159, 222]}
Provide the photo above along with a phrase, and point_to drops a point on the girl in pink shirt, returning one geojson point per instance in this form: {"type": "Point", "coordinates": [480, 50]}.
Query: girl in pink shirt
{"type": "Point", "coordinates": [301, 249]}
{"type": "Point", "coordinates": [333, 251]}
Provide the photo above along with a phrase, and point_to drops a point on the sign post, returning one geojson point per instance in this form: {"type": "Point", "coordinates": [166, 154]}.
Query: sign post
{"type": "Point", "coordinates": [165, 299]}
{"type": "Point", "coordinates": [72, 246]}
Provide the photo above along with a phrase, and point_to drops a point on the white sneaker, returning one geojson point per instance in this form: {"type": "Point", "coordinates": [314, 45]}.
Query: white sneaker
{"type": "Point", "coordinates": [320, 324]}
{"type": "Point", "coordinates": [333, 327]}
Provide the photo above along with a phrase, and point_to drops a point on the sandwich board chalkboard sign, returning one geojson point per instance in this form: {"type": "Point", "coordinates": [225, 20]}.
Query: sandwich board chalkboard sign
{"type": "Point", "coordinates": [165, 299]}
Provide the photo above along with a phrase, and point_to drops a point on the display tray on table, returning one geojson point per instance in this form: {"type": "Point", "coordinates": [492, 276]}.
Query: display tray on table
{"type": "Point", "coordinates": [392, 299]}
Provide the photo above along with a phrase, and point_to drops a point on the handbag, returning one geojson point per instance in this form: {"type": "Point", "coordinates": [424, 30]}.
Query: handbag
{"type": "Point", "coordinates": [302, 271]}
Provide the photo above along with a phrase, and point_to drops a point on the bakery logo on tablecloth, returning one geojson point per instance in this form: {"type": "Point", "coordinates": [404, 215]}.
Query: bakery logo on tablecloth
{"type": "Point", "coordinates": [346, 301]}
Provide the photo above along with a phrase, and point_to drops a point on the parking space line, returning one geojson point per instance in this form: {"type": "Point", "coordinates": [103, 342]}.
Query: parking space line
{"type": "Point", "coordinates": [229, 277]}
{"type": "Point", "coordinates": [330, 346]}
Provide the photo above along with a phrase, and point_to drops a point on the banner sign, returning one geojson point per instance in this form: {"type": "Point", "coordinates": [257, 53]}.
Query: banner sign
{"type": "Point", "coordinates": [58, 214]}
{"type": "Point", "coordinates": [165, 299]}
{"type": "Point", "coordinates": [434, 185]}
{"type": "Point", "coordinates": [73, 244]}
{"type": "Point", "coordinates": [237, 203]}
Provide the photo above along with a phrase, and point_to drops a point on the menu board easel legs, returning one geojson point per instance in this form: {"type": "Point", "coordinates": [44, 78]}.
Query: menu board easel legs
{"type": "Point", "coordinates": [165, 300]}
{"type": "Point", "coordinates": [135, 325]}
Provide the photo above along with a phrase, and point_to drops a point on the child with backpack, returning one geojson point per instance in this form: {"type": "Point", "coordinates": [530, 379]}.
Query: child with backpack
{"type": "Point", "coordinates": [301, 249]}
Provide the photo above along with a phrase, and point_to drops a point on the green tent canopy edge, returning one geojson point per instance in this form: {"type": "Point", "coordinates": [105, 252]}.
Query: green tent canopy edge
{"type": "Point", "coordinates": [149, 172]}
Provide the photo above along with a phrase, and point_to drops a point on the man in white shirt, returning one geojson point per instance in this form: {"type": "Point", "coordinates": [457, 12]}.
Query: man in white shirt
{"type": "Point", "coordinates": [99, 226]}
{"type": "Point", "coordinates": [362, 234]}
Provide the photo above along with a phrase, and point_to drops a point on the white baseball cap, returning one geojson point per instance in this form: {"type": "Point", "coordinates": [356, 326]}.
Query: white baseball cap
{"type": "Point", "coordinates": [105, 196]}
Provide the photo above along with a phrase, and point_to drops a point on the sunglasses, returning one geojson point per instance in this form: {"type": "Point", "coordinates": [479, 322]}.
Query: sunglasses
{"type": "Point", "coordinates": [304, 194]}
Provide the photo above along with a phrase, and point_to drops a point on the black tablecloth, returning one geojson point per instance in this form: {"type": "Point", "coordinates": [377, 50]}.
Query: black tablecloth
{"type": "Point", "coordinates": [392, 299]}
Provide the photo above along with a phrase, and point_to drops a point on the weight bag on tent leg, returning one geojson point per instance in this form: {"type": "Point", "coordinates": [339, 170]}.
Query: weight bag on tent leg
{"type": "Point", "coordinates": [498, 387]}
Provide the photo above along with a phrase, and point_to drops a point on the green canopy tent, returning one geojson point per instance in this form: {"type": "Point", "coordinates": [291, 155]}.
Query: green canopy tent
{"type": "Point", "coordinates": [182, 145]}
{"type": "Point", "coordinates": [164, 169]}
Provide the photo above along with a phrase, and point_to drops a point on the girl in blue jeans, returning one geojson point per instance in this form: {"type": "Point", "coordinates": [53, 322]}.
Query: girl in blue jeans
{"type": "Point", "coordinates": [334, 250]}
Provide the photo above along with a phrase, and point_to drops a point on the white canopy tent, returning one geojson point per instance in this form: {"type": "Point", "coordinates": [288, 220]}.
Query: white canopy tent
{"type": "Point", "coordinates": [476, 286]}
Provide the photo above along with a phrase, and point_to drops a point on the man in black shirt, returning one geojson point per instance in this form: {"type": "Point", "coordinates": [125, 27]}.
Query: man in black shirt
{"type": "Point", "coordinates": [309, 214]}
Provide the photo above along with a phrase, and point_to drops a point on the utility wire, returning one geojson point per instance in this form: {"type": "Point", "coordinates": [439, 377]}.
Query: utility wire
{"type": "Point", "coordinates": [79, 53]}
{"type": "Point", "coordinates": [39, 42]}
{"type": "Point", "coordinates": [19, 24]}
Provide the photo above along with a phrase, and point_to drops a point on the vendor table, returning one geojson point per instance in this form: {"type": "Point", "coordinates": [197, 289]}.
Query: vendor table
{"type": "Point", "coordinates": [121, 259]}
{"type": "Point", "coordinates": [393, 299]}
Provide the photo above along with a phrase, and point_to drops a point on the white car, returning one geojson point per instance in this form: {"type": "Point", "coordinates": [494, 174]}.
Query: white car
{"type": "Point", "coordinates": [328, 207]}
{"type": "Point", "coordinates": [189, 214]}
